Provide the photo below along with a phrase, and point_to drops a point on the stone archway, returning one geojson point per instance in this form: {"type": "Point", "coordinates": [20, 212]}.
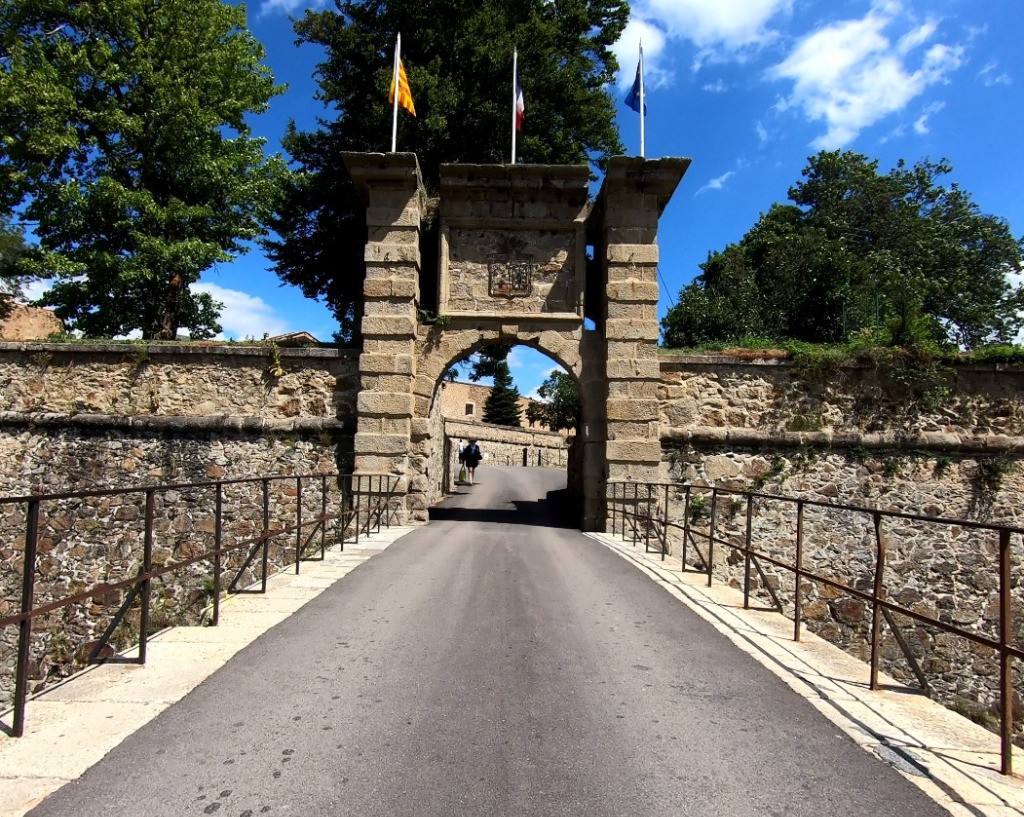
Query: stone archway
{"type": "Point", "coordinates": [523, 257]}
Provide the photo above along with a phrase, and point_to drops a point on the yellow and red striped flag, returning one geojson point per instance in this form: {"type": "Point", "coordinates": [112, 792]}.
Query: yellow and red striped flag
{"type": "Point", "coordinates": [404, 94]}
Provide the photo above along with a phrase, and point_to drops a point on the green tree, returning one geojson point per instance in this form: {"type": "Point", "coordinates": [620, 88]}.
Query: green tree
{"type": "Point", "coordinates": [458, 57]}
{"type": "Point", "coordinates": [896, 254]}
{"type": "Point", "coordinates": [502, 405]}
{"type": "Point", "coordinates": [561, 403]}
{"type": "Point", "coordinates": [126, 142]}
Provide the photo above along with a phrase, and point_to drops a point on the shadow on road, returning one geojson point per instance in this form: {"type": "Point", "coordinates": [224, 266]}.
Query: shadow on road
{"type": "Point", "coordinates": [556, 510]}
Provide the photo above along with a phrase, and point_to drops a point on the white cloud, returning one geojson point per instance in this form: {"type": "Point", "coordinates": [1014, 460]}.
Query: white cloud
{"type": "Point", "coordinates": [716, 87]}
{"type": "Point", "coordinates": [730, 25]}
{"type": "Point", "coordinates": [989, 76]}
{"type": "Point", "coordinates": [717, 183]}
{"type": "Point", "coordinates": [244, 315]}
{"type": "Point", "coordinates": [720, 29]}
{"type": "Point", "coordinates": [289, 6]}
{"type": "Point", "coordinates": [850, 75]}
{"type": "Point", "coordinates": [762, 133]}
{"type": "Point", "coordinates": [921, 124]}
{"type": "Point", "coordinates": [627, 52]}
{"type": "Point", "coordinates": [34, 290]}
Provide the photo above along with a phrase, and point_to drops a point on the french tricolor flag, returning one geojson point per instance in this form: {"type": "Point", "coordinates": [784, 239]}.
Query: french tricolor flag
{"type": "Point", "coordinates": [520, 106]}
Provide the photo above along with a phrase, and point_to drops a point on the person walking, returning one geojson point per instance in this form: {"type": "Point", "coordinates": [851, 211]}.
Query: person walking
{"type": "Point", "coordinates": [471, 456]}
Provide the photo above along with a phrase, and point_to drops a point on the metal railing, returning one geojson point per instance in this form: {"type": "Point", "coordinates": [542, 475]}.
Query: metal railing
{"type": "Point", "coordinates": [356, 505]}
{"type": "Point", "coordinates": [635, 514]}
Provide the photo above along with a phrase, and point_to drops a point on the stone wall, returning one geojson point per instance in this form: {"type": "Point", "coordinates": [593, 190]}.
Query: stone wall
{"type": "Point", "coordinates": [95, 416]}
{"type": "Point", "coordinates": [931, 442]}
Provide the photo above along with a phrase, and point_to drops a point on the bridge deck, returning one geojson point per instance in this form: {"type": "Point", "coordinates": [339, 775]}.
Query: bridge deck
{"type": "Point", "coordinates": [495, 662]}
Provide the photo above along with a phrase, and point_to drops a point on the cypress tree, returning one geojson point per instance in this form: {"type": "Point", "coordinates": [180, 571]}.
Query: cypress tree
{"type": "Point", "coordinates": [502, 404]}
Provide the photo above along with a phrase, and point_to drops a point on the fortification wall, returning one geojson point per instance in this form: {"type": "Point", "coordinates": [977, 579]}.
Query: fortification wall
{"type": "Point", "coordinates": [939, 442]}
{"type": "Point", "coordinates": [933, 441]}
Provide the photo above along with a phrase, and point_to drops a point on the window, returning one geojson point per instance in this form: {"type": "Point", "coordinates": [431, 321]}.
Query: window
{"type": "Point", "coordinates": [470, 409]}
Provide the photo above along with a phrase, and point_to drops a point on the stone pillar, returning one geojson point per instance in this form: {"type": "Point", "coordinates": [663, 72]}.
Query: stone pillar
{"type": "Point", "coordinates": [391, 187]}
{"type": "Point", "coordinates": [632, 199]}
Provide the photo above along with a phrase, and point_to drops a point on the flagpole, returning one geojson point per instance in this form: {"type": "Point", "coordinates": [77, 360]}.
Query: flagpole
{"type": "Point", "coordinates": [515, 68]}
{"type": "Point", "coordinates": [641, 99]}
{"type": "Point", "coordinates": [394, 84]}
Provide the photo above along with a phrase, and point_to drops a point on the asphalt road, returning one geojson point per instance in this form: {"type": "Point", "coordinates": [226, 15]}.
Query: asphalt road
{"type": "Point", "coordinates": [494, 662]}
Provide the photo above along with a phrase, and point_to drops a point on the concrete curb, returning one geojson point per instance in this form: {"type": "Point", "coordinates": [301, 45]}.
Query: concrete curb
{"type": "Point", "coordinates": [953, 760]}
{"type": "Point", "coordinates": [72, 725]}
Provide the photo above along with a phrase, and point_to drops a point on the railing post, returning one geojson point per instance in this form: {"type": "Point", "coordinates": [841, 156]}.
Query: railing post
{"type": "Point", "coordinates": [798, 605]}
{"type": "Point", "coordinates": [323, 515]}
{"type": "Point", "coordinates": [664, 526]}
{"type": "Point", "coordinates": [266, 533]}
{"type": "Point", "coordinates": [686, 526]}
{"type": "Point", "coordinates": [711, 534]}
{"type": "Point", "coordinates": [147, 567]}
{"type": "Point", "coordinates": [298, 523]}
{"type": "Point", "coordinates": [218, 543]}
{"type": "Point", "coordinates": [876, 595]}
{"type": "Point", "coordinates": [746, 552]}
{"type": "Point", "coordinates": [357, 504]}
{"type": "Point", "coordinates": [650, 520]}
{"type": "Point", "coordinates": [28, 582]}
{"type": "Point", "coordinates": [1005, 659]}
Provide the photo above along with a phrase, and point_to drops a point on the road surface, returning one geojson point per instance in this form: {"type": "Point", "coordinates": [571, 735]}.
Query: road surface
{"type": "Point", "coordinates": [494, 662]}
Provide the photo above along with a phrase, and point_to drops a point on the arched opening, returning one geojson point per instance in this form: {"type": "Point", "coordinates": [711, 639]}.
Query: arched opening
{"type": "Point", "coordinates": [541, 439]}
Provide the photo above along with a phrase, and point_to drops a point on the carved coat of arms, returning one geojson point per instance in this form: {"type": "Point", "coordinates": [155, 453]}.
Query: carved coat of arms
{"type": "Point", "coordinates": [510, 277]}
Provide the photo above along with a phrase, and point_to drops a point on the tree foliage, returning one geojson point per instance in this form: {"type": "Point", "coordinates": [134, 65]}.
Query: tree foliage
{"type": "Point", "coordinates": [502, 405]}
{"type": "Point", "coordinates": [897, 255]}
{"type": "Point", "coordinates": [561, 403]}
{"type": "Point", "coordinates": [458, 57]}
{"type": "Point", "coordinates": [126, 145]}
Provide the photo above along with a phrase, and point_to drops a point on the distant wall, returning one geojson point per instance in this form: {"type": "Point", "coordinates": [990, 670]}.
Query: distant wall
{"type": "Point", "coordinates": [29, 323]}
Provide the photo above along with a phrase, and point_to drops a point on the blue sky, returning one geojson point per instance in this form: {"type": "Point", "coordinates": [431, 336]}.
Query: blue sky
{"type": "Point", "coordinates": [748, 89]}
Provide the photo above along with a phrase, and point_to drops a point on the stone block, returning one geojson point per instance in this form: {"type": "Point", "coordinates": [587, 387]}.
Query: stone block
{"type": "Point", "coordinates": [380, 464]}
{"type": "Point", "coordinates": [631, 311]}
{"type": "Point", "coordinates": [385, 364]}
{"type": "Point", "coordinates": [634, 389]}
{"type": "Point", "coordinates": [394, 425]}
{"type": "Point", "coordinates": [397, 383]}
{"type": "Point", "coordinates": [634, 369]}
{"type": "Point", "coordinates": [389, 325]}
{"type": "Point", "coordinates": [393, 234]}
{"type": "Point", "coordinates": [420, 427]}
{"type": "Point", "coordinates": [619, 329]}
{"type": "Point", "coordinates": [381, 444]}
{"type": "Point", "coordinates": [424, 386]}
{"type": "Point", "coordinates": [632, 410]}
{"type": "Point", "coordinates": [646, 273]}
{"type": "Point", "coordinates": [384, 404]}
{"type": "Point", "coordinates": [632, 253]}
{"type": "Point", "coordinates": [389, 346]}
{"type": "Point", "coordinates": [615, 234]}
{"type": "Point", "coordinates": [638, 430]}
{"type": "Point", "coordinates": [640, 451]}
{"type": "Point", "coordinates": [633, 289]}
{"type": "Point", "coordinates": [404, 216]}
{"type": "Point", "coordinates": [392, 253]}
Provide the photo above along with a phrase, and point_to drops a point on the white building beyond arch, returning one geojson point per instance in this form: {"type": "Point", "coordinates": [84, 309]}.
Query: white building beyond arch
{"type": "Point", "coordinates": [512, 268]}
